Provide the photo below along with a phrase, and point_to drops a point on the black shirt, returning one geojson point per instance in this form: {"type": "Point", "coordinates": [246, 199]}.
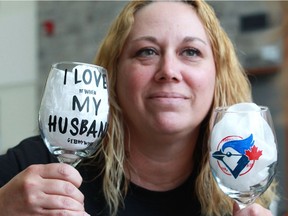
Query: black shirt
{"type": "Point", "coordinates": [138, 202]}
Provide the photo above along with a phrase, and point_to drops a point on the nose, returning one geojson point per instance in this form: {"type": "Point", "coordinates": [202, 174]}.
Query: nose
{"type": "Point", "coordinates": [169, 69]}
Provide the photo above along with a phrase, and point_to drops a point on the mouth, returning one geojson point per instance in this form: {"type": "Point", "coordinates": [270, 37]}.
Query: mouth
{"type": "Point", "coordinates": [168, 95]}
{"type": "Point", "coordinates": [168, 99]}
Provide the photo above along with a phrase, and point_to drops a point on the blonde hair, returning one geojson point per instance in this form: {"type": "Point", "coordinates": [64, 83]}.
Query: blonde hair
{"type": "Point", "coordinates": [232, 86]}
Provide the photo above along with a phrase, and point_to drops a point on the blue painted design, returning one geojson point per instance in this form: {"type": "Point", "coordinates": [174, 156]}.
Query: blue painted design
{"type": "Point", "coordinates": [241, 146]}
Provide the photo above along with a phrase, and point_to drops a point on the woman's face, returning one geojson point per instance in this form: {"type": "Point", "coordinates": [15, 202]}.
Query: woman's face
{"type": "Point", "coordinates": [166, 72]}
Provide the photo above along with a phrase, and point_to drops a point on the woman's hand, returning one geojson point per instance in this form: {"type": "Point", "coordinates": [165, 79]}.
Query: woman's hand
{"type": "Point", "coordinates": [50, 189]}
{"type": "Point", "coordinates": [252, 210]}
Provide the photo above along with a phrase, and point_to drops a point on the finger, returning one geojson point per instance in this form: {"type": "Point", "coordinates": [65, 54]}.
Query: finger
{"type": "Point", "coordinates": [63, 212]}
{"type": "Point", "coordinates": [57, 171]}
{"type": "Point", "coordinates": [253, 210]}
{"type": "Point", "coordinates": [61, 202]}
{"type": "Point", "coordinates": [236, 208]}
{"type": "Point", "coordinates": [37, 200]}
{"type": "Point", "coordinates": [63, 188]}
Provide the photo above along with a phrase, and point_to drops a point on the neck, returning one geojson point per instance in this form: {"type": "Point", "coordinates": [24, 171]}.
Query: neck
{"type": "Point", "coordinates": [160, 165]}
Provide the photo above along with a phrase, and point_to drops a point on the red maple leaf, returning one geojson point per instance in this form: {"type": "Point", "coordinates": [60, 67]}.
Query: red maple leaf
{"type": "Point", "coordinates": [253, 153]}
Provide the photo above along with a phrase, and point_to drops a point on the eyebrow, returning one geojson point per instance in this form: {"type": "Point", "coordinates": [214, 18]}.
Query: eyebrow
{"type": "Point", "coordinates": [147, 38]}
{"type": "Point", "coordinates": [186, 39]}
{"type": "Point", "coordinates": [189, 39]}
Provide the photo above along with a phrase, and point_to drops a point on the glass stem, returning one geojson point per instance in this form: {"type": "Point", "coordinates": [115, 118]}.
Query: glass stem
{"type": "Point", "coordinates": [241, 205]}
{"type": "Point", "coordinates": [73, 161]}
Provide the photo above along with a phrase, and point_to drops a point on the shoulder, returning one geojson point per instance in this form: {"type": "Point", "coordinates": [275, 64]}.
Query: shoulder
{"type": "Point", "coordinates": [29, 151]}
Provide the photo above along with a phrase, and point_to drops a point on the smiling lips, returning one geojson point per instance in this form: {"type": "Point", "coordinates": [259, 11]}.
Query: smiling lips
{"type": "Point", "coordinates": [167, 96]}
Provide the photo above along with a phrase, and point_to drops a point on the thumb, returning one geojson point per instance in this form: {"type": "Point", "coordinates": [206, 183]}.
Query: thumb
{"type": "Point", "coordinates": [236, 208]}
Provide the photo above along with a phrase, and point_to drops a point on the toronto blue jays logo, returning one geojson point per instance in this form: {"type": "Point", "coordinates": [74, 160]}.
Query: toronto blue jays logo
{"type": "Point", "coordinates": [236, 156]}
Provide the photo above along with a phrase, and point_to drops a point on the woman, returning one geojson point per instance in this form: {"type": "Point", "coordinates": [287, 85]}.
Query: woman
{"type": "Point", "coordinates": [169, 64]}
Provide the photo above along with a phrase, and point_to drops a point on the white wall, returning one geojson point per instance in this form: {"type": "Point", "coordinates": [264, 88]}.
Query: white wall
{"type": "Point", "coordinates": [18, 75]}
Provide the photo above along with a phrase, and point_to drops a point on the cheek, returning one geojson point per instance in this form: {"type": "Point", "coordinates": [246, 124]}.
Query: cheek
{"type": "Point", "coordinates": [129, 83]}
{"type": "Point", "coordinates": [208, 85]}
{"type": "Point", "coordinates": [204, 83]}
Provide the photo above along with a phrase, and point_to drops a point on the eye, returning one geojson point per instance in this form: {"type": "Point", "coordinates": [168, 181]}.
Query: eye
{"type": "Point", "coordinates": [191, 52]}
{"type": "Point", "coordinates": [146, 52]}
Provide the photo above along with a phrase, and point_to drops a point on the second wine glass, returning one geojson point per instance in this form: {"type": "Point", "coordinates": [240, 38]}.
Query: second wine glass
{"type": "Point", "coordinates": [74, 110]}
{"type": "Point", "coordinates": [243, 151]}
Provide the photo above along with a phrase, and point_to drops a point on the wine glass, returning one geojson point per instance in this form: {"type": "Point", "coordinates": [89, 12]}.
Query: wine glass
{"type": "Point", "coordinates": [74, 110]}
{"type": "Point", "coordinates": [243, 151]}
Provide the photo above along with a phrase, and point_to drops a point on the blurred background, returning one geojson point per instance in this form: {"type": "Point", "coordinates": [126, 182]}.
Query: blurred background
{"type": "Point", "coordinates": [35, 34]}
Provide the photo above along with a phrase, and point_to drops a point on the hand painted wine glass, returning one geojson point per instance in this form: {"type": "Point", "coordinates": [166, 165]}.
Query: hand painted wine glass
{"type": "Point", "coordinates": [243, 151]}
{"type": "Point", "coordinates": [74, 110]}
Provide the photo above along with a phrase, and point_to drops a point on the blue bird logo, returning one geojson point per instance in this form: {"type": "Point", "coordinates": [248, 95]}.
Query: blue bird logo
{"type": "Point", "coordinates": [244, 149]}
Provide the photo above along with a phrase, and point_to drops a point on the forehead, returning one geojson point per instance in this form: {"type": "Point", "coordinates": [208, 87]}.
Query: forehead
{"type": "Point", "coordinates": [165, 9]}
{"type": "Point", "coordinates": [169, 15]}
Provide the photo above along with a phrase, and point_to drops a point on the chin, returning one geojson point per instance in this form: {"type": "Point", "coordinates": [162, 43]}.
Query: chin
{"type": "Point", "coordinates": [173, 127]}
